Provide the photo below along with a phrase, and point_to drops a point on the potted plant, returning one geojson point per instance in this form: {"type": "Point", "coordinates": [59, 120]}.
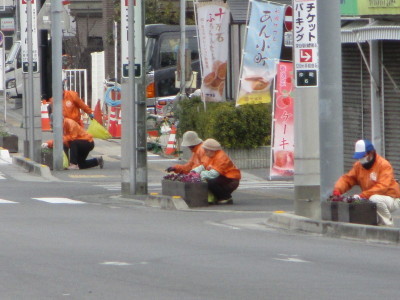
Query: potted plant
{"type": "Point", "coordinates": [189, 187]}
{"type": "Point", "coordinates": [46, 157]}
{"type": "Point", "coordinates": [8, 140]}
{"type": "Point", "coordinates": [349, 209]}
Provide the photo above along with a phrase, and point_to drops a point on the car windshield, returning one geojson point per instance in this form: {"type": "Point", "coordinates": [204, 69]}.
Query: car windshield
{"type": "Point", "coordinates": [149, 63]}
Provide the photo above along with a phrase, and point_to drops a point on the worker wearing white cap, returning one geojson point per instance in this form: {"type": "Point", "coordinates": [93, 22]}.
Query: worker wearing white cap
{"type": "Point", "coordinates": [375, 176]}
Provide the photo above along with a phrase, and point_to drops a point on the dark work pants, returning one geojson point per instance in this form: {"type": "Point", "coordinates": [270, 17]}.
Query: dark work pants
{"type": "Point", "coordinates": [79, 151]}
{"type": "Point", "coordinates": [222, 187]}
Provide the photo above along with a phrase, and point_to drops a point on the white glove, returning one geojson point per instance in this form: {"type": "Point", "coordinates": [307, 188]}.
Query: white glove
{"type": "Point", "coordinates": [357, 197]}
{"type": "Point", "coordinates": [45, 145]}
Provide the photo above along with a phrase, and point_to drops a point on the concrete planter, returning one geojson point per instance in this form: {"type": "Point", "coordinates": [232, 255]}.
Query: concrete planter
{"type": "Point", "coordinates": [47, 158]}
{"type": "Point", "coordinates": [258, 158]}
{"type": "Point", "coordinates": [359, 213]}
{"type": "Point", "coordinates": [194, 194]}
{"type": "Point", "coordinates": [9, 142]}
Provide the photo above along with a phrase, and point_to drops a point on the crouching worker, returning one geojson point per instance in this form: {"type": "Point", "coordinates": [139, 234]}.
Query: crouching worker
{"type": "Point", "coordinates": [219, 171]}
{"type": "Point", "coordinates": [79, 143]}
{"type": "Point", "coordinates": [375, 176]}
{"type": "Point", "coordinates": [194, 143]}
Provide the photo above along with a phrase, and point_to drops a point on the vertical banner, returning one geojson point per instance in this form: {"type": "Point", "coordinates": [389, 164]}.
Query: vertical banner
{"type": "Point", "coordinates": [23, 12]}
{"type": "Point", "coordinates": [261, 53]}
{"type": "Point", "coordinates": [282, 150]}
{"type": "Point", "coordinates": [213, 34]}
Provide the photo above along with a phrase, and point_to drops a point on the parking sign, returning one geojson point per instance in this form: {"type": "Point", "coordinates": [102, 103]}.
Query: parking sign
{"type": "Point", "coordinates": [305, 39]}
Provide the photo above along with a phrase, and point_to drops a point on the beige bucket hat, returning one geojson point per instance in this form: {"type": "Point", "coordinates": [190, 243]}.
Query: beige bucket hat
{"type": "Point", "coordinates": [190, 138]}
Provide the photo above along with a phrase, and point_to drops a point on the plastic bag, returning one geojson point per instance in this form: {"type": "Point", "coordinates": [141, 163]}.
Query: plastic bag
{"type": "Point", "coordinates": [65, 161]}
{"type": "Point", "coordinates": [211, 198]}
{"type": "Point", "coordinates": [98, 131]}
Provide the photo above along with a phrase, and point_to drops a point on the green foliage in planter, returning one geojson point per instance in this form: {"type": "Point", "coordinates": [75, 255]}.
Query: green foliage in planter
{"type": "Point", "coordinates": [243, 127]}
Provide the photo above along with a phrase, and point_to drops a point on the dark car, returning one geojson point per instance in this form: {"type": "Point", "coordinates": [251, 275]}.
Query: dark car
{"type": "Point", "coordinates": [162, 54]}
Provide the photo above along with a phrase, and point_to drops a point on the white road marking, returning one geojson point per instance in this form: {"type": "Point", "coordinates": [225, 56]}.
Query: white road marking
{"type": "Point", "coordinates": [2, 176]}
{"type": "Point", "coordinates": [7, 201]}
{"type": "Point", "coordinates": [292, 259]}
{"type": "Point", "coordinates": [59, 200]}
{"type": "Point", "coordinates": [115, 263]}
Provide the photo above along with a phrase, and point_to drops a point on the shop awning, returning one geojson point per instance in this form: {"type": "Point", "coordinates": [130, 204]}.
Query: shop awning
{"type": "Point", "coordinates": [361, 31]}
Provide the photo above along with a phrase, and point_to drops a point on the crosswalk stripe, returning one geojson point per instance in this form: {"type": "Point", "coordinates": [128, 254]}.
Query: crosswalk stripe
{"type": "Point", "coordinates": [6, 201]}
{"type": "Point", "coordinates": [59, 200]}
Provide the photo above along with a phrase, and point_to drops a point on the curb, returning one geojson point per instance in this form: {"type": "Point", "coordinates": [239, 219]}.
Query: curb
{"type": "Point", "coordinates": [166, 202]}
{"type": "Point", "coordinates": [34, 167]}
{"type": "Point", "coordinates": [335, 229]}
{"type": "Point", "coordinates": [5, 155]}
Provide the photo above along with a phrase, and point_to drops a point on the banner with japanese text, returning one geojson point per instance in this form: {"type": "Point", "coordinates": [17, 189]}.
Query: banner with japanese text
{"type": "Point", "coordinates": [213, 33]}
{"type": "Point", "coordinates": [262, 50]}
{"type": "Point", "coordinates": [282, 140]}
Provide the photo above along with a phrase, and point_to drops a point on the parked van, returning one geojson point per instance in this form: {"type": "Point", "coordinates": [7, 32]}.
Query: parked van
{"type": "Point", "coordinates": [162, 54]}
{"type": "Point", "coordinates": [13, 72]}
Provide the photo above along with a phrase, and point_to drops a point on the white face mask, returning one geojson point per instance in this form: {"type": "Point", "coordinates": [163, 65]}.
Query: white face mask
{"type": "Point", "coordinates": [364, 160]}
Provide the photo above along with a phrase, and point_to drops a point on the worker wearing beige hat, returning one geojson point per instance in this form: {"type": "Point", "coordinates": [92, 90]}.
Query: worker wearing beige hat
{"type": "Point", "coordinates": [219, 171]}
{"type": "Point", "coordinates": [190, 139]}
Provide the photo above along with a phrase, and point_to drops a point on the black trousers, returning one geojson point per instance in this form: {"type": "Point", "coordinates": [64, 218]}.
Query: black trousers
{"type": "Point", "coordinates": [222, 187]}
{"type": "Point", "coordinates": [79, 151]}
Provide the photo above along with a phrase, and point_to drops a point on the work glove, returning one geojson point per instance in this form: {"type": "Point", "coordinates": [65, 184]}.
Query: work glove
{"type": "Point", "coordinates": [45, 145]}
{"type": "Point", "coordinates": [170, 169]}
{"type": "Point", "coordinates": [357, 197]}
{"type": "Point", "coordinates": [336, 193]}
{"type": "Point", "coordinates": [91, 116]}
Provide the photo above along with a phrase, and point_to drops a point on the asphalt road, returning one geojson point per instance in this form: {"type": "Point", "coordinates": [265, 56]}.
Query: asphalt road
{"type": "Point", "coordinates": [107, 247]}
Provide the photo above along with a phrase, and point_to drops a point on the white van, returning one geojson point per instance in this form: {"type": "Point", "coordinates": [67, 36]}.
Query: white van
{"type": "Point", "coordinates": [13, 72]}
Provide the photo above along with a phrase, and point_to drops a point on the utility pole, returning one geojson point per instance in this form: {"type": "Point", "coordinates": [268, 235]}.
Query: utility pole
{"type": "Point", "coordinates": [182, 47]}
{"type": "Point", "coordinates": [134, 149]}
{"type": "Point", "coordinates": [56, 58]}
{"type": "Point", "coordinates": [318, 105]}
{"type": "Point", "coordinates": [330, 95]}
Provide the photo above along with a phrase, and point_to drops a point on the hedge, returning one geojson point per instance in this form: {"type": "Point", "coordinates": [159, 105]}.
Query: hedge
{"type": "Point", "coordinates": [243, 127]}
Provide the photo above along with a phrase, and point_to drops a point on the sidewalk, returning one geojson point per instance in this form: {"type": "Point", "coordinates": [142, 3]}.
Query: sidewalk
{"type": "Point", "coordinates": [252, 198]}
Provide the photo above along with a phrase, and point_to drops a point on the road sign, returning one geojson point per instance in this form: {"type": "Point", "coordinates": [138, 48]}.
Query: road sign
{"type": "Point", "coordinates": [288, 18]}
{"type": "Point", "coordinates": [305, 39]}
{"type": "Point", "coordinates": [24, 36]}
{"type": "Point", "coordinates": [125, 35]}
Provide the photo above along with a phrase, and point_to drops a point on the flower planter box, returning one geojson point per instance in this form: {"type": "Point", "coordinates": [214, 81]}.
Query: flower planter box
{"type": "Point", "coordinates": [359, 213]}
{"type": "Point", "coordinates": [9, 142]}
{"type": "Point", "coordinates": [47, 158]}
{"type": "Point", "coordinates": [194, 194]}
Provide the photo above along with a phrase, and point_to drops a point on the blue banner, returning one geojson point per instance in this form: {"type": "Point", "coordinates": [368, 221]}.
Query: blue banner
{"type": "Point", "coordinates": [262, 52]}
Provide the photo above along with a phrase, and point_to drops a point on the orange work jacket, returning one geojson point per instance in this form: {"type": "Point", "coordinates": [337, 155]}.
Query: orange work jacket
{"type": "Point", "coordinates": [72, 131]}
{"type": "Point", "coordinates": [72, 106]}
{"type": "Point", "coordinates": [194, 161]}
{"type": "Point", "coordinates": [223, 164]}
{"type": "Point", "coordinates": [378, 180]}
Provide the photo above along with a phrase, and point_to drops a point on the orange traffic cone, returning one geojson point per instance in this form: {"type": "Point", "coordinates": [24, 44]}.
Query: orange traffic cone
{"type": "Point", "coordinates": [45, 117]}
{"type": "Point", "coordinates": [171, 146]}
{"type": "Point", "coordinates": [112, 125]}
{"type": "Point", "coordinates": [97, 113]}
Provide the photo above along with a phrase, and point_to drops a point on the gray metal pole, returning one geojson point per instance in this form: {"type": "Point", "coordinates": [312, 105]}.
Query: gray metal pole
{"type": "Point", "coordinates": [330, 95]}
{"type": "Point", "coordinates": [141, 179]}
{"type": "Point", "coordinates": [182, 48]}
{"type": "Point", "coordinates": [376, 121]}
{"type": "Point", "coordinates": [29, 95]}
{"type": "Point", "coordinates": [56, 58]}
{"type": "Point", "coordinates": [132, 97]}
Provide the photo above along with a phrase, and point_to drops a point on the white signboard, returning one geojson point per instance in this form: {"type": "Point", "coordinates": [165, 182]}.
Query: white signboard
{"type": "Point", "coordinates": [125, 37]}
{"type": "Point", "coordinates": [24, 36]}
{"type": "Point", "coordinates": [7, 24]}
{"type": "Point", "coordinates": [305, 39]}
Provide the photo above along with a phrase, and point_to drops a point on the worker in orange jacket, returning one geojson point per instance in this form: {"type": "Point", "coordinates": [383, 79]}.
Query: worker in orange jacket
{"type": "Point", "coordinates": [191, 140]}
{"type": "Point", "coordinates": [375, 176]}
{"type": "Point", "coordinates": [71, 106]}
{"type": "Point", "coordinates": [221, 174]}
{"type": "Point", "coordinates": [79, 143]}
